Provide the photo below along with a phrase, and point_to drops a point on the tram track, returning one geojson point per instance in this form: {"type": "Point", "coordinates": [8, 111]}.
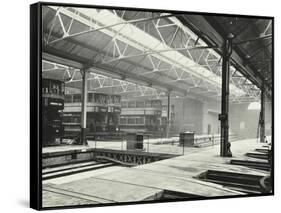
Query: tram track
{"type": "Point", "coordinates": [74, 194]}
{"type": "Point", "coordinates": [61, 171]}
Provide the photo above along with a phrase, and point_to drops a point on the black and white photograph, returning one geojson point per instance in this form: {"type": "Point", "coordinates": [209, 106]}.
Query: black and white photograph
{"type": "Point", "coordinates": [143, 106]}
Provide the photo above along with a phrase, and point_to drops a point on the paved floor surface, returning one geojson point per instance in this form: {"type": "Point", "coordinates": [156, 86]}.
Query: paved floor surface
{"type": "Point", "coordinates": [123, 184]}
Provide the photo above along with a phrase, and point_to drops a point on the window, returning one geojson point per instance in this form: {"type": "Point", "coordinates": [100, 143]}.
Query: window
{"type": "Point", "coordinates": [140, 120]}
{"type": "Point", "coordinates": [132, 104]}
{"type": "Point", "coordinates": [76, 98]}
{"type": "Point", "coordinates": [147, 103]}
{"type": "Point", "coordinates": [131, 120]}
{"type": "Point", "coordinates": [140, 104]}
{"type": "Point", "coordinates": [122, 120]}
{"type": "Point", "coordinates": [124, 104]}
{"type": "Point", "coordinates": [68, 99]}
{"type": "Point", "coordinates": [90, 97]}
{"type": "Point", "coordinates": [254, 106]}
{"type": "Point", "coordinates": [156, 104]}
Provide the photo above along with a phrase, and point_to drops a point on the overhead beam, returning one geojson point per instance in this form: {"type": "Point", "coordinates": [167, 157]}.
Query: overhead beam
{"type": "Point", "coordinates": [80, 19]}
{"type": "Point", "coordinates": [253, 39]}
{"type": "Point", "coordinates": [203, 26]}
{"type": "Point", "coordinates": [180, 64]}
{"type": "Point", "coordinates": [80, 63]}
{"type": "Point", "coordinates": [257, 51]}
{"type": "Point", "coordinates": [152, 52]}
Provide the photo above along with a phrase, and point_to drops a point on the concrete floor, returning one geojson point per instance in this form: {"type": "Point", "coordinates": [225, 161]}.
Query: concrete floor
{"type": "Point", "coordinates": [123, 184]}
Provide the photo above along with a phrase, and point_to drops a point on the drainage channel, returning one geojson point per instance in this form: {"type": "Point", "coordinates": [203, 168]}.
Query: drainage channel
{"type": "Point", "coordinates": [74, 168]}
{"type": "Point", "coordinates": [257, 155]}
{"type": "Point", "coordinates": [71, 162]}
{"type": "Point", "coordinates": [265, 151]}
{"type": "Point", "coordinates": [172, 195]}
{"type": "Point", "coordinates": [252, 164]}
{"type": "Point", "coordinates": [246, 183]}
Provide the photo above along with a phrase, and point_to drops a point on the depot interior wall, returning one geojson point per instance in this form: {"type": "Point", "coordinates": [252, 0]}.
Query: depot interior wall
{"type": "Point", "coordinates": [194, 115]}
{"type": "Point", "coordinates": [268, 118]}
{"type": "Point", "coordinates": [210, 121]}
{"type": "Point", "coordinates": [188, 114]}
{"type": "Point", "coordinates": [202, 117]}
{"type": "Point", "coordinates": [244, 122]}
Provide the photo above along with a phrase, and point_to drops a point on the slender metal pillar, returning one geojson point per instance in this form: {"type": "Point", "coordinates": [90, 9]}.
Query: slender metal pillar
{"type": "Point", "coordinates": [84, 100]}
{"type": "Point", "coordinates": [223, 117]}
{"type": "Point", "coordinates": [107, 120]}
{"type": "Point", "coordinates": [168, 115]}
{"type": "Point", "coordinates": [261, 121]}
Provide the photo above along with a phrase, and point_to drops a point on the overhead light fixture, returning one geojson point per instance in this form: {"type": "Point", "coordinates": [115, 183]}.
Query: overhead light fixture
{"type": "Point", "coordinates": [230, 35]}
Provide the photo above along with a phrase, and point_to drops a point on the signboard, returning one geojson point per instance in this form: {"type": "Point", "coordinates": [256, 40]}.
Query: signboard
{"type": "Point", "coordinates": [50, 102]}
{"type": "Point", "coordinates": [100, 109]}
{"type": "Point", "coordinates": [114, 109]}
{"type": "Point", "coordinates": [117, 109]}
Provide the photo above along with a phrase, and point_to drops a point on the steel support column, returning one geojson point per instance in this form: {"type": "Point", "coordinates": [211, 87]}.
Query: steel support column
{"type": "Point", "coordinates": [168, 115]}
{"type": "Point", "coordinates": [261, 120]}
{"type": "Point", "coordinates": [223, 117]}
{"type": "Point", "coordinates": [84, 100]}
{"type": "Point", "coordinates": [107, 120]}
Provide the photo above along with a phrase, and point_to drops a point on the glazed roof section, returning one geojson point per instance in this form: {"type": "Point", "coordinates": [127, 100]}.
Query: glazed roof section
{"type": "Point", "coordinates": [150, 49]}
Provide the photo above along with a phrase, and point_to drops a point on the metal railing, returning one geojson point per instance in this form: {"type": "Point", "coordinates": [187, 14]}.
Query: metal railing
{"type": "Point", "coordinates": [151, 144]}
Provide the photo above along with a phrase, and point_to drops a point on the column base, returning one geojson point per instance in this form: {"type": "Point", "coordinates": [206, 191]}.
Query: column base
{"type": "Point", "coordinates": [83, 139]}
